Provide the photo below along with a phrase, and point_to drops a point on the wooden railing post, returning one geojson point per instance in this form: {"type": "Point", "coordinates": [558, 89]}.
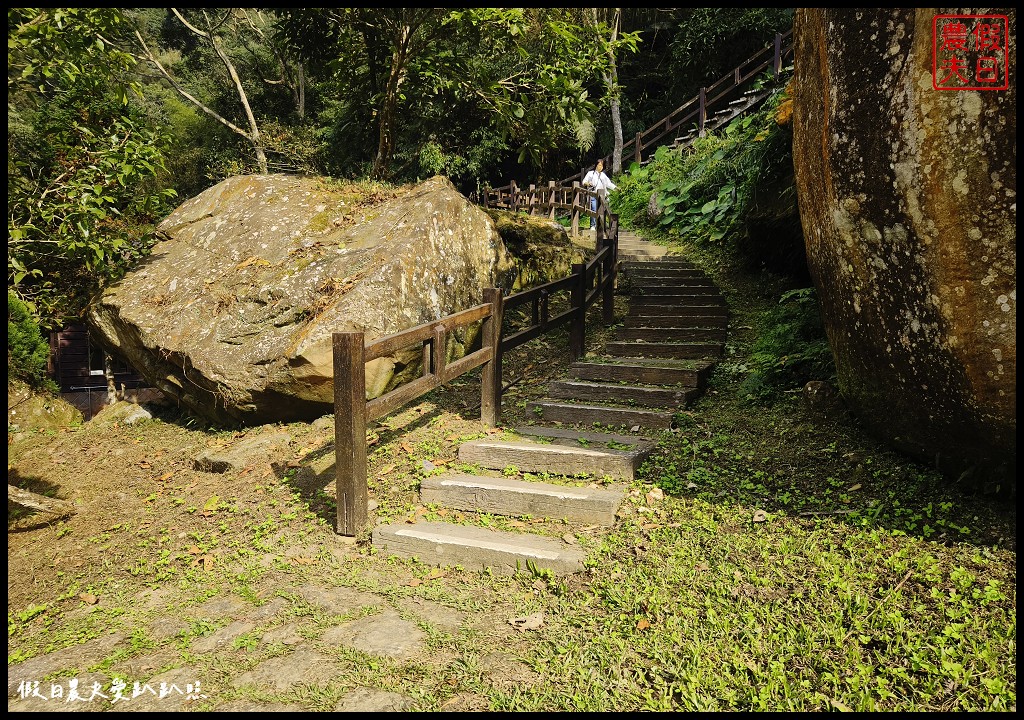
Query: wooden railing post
{"type": "Point", "coordinates": [636, 148]}
{"type": "Point", "coordinates": [490, 380]}
{"type": "Point", "coordinates": [576, 199]}
{"type": "Point", "coordinates": [777, 66]}
{"type": "Point", "coordinates": [350, 431]}
{"type": "Point", "coordinates": [578, 328]}
{"type": "Point", "coordinates": [701, 111]}
{"type": "Point", "coordinates": [551, 199]}
{"type": "Point", "coordinates": [531, 199]}
{"type": "Point", "coordinates": [513, 196]}
{"type": "Point", "coordinates": [611, 270]}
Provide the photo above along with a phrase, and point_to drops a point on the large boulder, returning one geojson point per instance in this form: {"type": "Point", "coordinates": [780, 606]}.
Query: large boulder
{"type": "Point", "coordinates": [907, 199]}
{"type": "Point", "coordinates": [232, 314]}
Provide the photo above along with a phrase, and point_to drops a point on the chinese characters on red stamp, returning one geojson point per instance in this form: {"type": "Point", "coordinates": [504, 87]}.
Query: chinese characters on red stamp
{"type": "Point", "coordinates": [970, 52]}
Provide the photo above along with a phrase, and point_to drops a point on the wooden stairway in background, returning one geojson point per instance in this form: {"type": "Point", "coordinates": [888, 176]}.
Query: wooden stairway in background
{"type": "Point", "coordinates": [592, 431]}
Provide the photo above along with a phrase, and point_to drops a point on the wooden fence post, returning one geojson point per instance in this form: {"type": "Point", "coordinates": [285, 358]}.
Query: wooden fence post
{"type": "Point", "coordinates": [532, 198]}
{"type": "Point", "coordinates": [701, 112]}
{"type": "Point", "coordinates": [513, 199]}
{"type": "Point", "coordinates": [576, 199]}
{"type": "Point", "coordinates": [611, 271]}
{"type": "Point", "coordinates": [777, 66]}
{"type": "Point", "coordinates": [551, 199]}
{"type": "Point", "coordinates": [350, 431]}
{"type": "Point", "coordinates": [490, 379]}
{"type": "Point", "coordinates": [578, 328]}
{"type": "Point", "coordinates": [636, 148]}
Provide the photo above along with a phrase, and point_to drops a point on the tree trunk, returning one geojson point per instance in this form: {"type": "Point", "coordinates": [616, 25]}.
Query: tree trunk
{"type": "Point", "coordinates": [612, 80]}
{"type": "Point", "coordinates": [386, 115]}
{"type": "Point", "coordinates": [108, 373]}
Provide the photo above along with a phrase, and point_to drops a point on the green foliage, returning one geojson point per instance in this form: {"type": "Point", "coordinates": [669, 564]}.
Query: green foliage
{"type": "Point", "coordinates": [27, 349]}
{"type": "Point", "coordinates": [722, 189]}
{"type": "Point", "coordinates": [83, 160]}
{"type": "Point", "coordinates": [792, 349]}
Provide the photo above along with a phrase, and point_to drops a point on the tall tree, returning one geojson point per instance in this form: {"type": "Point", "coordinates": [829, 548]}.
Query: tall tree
{"type": "Point", "coordinates": [520, 71]}
{"type": "Point", "coordinates": [607, 26]}
{"type": "Point", "coordinates": [210, 30]}
{"type": "Point", "coordinates": [83, 159]}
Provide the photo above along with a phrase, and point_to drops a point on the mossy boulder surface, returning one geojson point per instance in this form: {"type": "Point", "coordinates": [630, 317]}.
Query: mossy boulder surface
{"type": "Point", "coordinates": [232, 315]}
{"type": "Point", "coordinates": [907, 199]}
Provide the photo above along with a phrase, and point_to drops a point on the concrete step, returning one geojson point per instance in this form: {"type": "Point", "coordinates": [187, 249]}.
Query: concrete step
{"type": "Point", "coordinates": [643, 396]}
{"type": "Point", "coordinates": [579, 437]}
{"type": "Point", "coordinates": [691, 350]}
{"type": "Point", "coordinates": [670, 296]}
{"type": "Point", "coordinates": [606, 415]}
{"type": "Point", "coordinates": [673, 321]}
{"type": "Point", "coordinates": [504, 553]}
{"type": "Point", "coordinates": [673, 289]}
{"type": "Point", "coordinates": [535, 457]}
{"type": "Point", "coordinates": [514, 497]}
{"type": "Point", "coordinates": [670, 334]}
{"type": "Point", "coordinates": [686, 310]}
{"type": "Point", "coordinates": [665, 264]}
{"type": "Point", "coordinates": [654, 270]}
{"type": "Point", "coordinates": [641, 282]}
{"type": "Point", "coordinates": [641, 370]}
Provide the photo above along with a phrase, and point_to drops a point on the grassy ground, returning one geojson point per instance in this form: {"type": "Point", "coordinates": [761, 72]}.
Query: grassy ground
{"type": "Point", "coordinates": [768, 558]}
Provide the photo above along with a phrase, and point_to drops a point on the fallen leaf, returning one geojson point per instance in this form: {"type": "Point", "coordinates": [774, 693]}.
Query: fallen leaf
{"type": "Point", "coordinates": [760, 516]}
{"type": "Point", "coordinates": [407, 447]}
{"type": "Point", "coordinates": [195, 550]}
{"type": "Point", "coordinates": [303, 560]}
{"type": "Point", "coordinates": [415, 582]}
{"type": "Point", "coordinates": [145, 465]}
{"type": "Point", "coordinates": [165, 477]}
{"type": "Point", "coordinates": [635, 428]}
{"type": "Point", "coordinates": [516, 524]}
{"type": "Point", "coordinates": [527, 622]}
{"type": "Point", "coordinates": [642, 624]}
{"type": "Point", "coordinates": [839, 706]}
{"type": "Point", "coordinates": [854, 487]}
{"type": "Point", "coordinates": [89, 598]}
{"type": "Point", "coordinates": [435, 573]}
{"type": "Point", "coordinates": [492, 431]}
{"type": "Point", "coordinates": [211, 505]}
{"type": "Point", "coordinates": [207, 562]}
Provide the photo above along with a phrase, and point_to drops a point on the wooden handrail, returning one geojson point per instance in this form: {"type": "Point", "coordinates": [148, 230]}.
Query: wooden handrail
{"type": "Point", "coordinates": [352, 410]}
{"type": "Point", "coordinates": [770, 56]}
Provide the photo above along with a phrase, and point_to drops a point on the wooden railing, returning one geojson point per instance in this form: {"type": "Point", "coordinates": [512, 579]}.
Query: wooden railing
{"type": "Point", "coordinates": [588, 282]}
{"type": "Point", "coordinates": [352, 411]}
{"type": "Point", "coordinates": [572, 201]}
{"type": "Point", "coordinates": [696, 111]}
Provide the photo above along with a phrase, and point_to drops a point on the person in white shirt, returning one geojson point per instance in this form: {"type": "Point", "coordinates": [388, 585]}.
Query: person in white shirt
{"type": "Point", "coordinates": [597, 180]}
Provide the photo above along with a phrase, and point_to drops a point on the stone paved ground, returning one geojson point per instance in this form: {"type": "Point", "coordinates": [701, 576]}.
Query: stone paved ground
{"type": "Point", "coordinates": [305, 656]}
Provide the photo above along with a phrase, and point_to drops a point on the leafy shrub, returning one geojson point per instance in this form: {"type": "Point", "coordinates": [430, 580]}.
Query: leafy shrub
{"type": "Point", "coordinates": [27, 350]}
{"type": "Point", "coordinates": [792, 350]}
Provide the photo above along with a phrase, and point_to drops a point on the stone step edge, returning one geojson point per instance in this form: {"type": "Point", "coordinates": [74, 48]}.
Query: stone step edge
{"type": "Point", "coordinates": [514, 497]}
{"type": "Point", "coordinates": [477, 548]}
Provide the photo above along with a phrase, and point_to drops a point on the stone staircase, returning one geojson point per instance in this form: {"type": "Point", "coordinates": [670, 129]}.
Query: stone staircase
{"type": "Point", "coordinates": [592, 430]}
